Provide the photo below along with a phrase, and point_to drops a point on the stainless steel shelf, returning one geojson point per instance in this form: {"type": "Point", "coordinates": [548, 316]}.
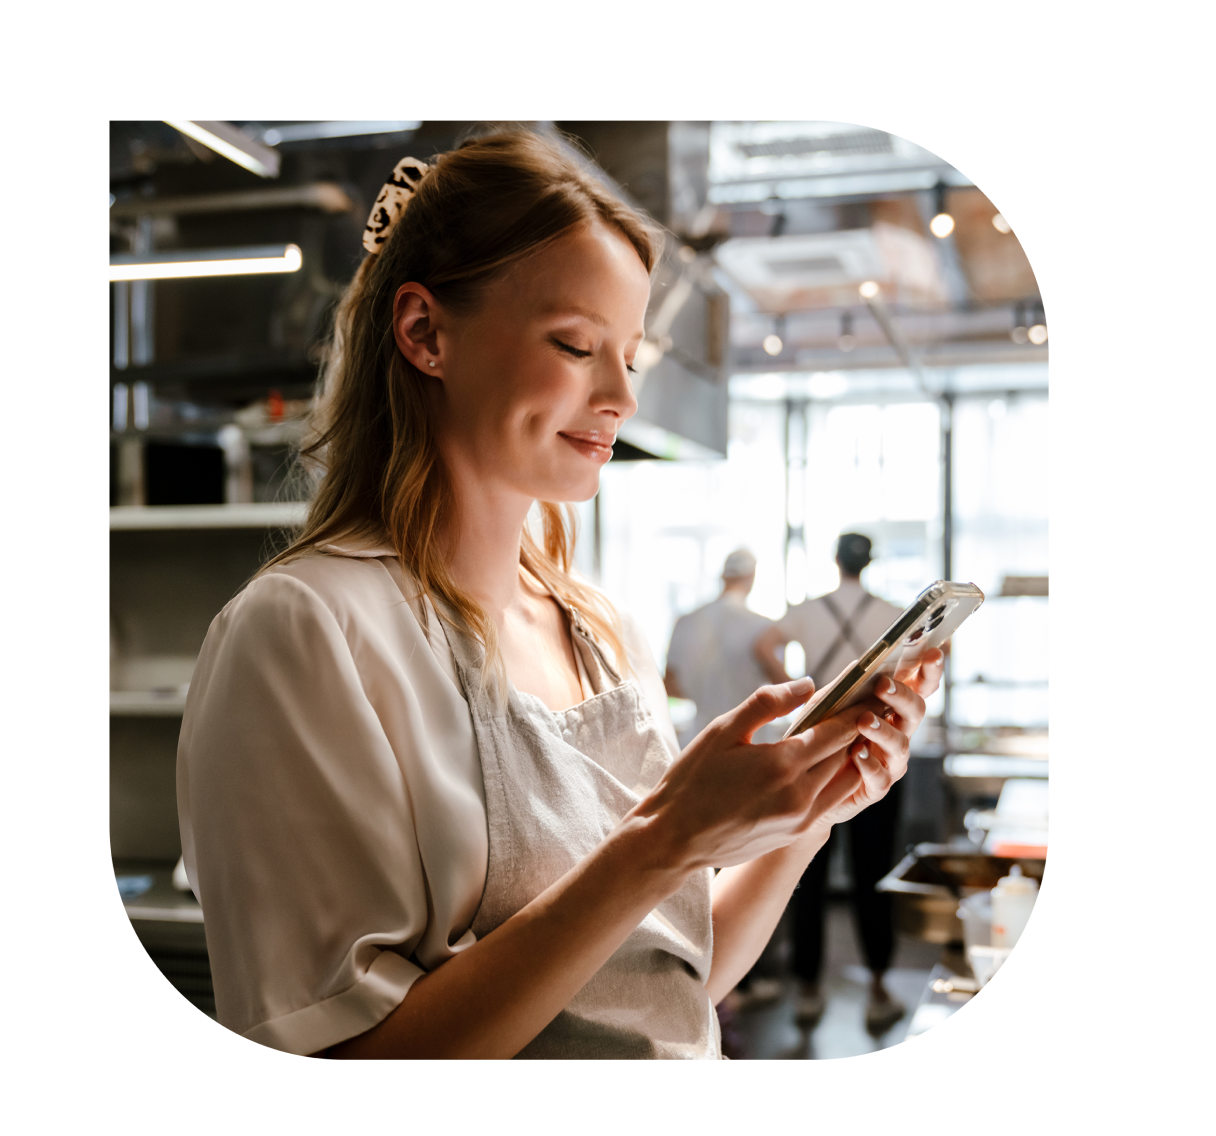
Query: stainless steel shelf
{"type": "Point", "coordinates": [267, 515]}
{"type": "Point", "coordinates": [147, 703]}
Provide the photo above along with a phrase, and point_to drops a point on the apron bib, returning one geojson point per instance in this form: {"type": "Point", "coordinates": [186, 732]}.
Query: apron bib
{"type": "Point", "coordinates": [556, 784]}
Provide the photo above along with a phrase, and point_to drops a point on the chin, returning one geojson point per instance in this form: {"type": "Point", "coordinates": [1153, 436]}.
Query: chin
{"type": "Point", "coordinates": [574, 491]}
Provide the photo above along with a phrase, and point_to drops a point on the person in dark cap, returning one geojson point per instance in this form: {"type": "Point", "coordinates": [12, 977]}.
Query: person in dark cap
{"type": "Point", "coordinates": [834, 630]}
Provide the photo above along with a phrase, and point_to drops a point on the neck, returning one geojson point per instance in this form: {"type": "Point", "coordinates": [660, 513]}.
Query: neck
{"type": "Point", "coordinates": [845, 578]}
{"type": "Point", "coordinates": [483, 543]}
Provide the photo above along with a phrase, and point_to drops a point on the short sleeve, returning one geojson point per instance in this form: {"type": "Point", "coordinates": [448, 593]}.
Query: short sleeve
{"type": "Point", "coordinates": [297, 826]}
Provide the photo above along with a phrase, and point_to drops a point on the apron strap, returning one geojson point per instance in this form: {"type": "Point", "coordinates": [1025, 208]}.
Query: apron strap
{"type": "Point", "coordinates": [846, 630]}
{"type": "Point", "coordinates": [580, 632]}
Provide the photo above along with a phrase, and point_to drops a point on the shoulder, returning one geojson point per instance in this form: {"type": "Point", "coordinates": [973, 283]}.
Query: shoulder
{"type": "Point", "coordinates": [319, 606]}
{"type": "Point", "coordinates": [351, 589]}
{"type": "Point", "coordinates": [886, 606]}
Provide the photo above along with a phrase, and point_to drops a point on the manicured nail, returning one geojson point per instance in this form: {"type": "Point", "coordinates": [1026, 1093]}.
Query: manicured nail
{"type": "Point", "coordinates": [875, 721]}
{"type": "Point", "coordinates": [890, 686]}
{"type": "Point", "coordinates": [863, 753]}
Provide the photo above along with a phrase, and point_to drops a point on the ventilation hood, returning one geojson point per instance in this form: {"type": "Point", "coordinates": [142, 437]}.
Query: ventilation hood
{"type": "Point", "coordinates": [815, 270]}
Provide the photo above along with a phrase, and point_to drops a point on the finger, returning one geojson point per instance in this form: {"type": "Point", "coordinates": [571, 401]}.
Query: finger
{"type": "Point", "coordinates": [888, 745]}
{"type": "Point", "coordinates": [826, 738]}
{"type": "Point", "coordinates": [767, 703]}
{"type": "Point", "coordinates": [927, 676]}
{"type": "Point", "coordinates": [827, 776]}
{"type": "Point", "coordinates": [877, 778]}
{"type": "Point", "coordinates": [904, 706]}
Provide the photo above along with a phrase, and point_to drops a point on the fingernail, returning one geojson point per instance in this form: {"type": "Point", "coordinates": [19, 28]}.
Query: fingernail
{"type": "Point", "coordinates": [890, 686]}
{"type": "Point", "coordinates": [875, 721]}
{"type": "Point", "coordinates": [863, 753]}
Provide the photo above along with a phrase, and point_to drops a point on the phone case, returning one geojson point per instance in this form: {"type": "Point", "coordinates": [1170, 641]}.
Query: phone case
{"type": "Point", "coordinates": [926, 623]}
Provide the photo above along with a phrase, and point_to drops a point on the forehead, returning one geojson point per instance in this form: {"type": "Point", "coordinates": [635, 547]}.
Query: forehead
{"type": "Point", "coordinates": [593, 271]}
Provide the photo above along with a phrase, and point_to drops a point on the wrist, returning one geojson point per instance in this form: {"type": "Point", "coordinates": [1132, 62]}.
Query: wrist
{"type": "Point", "coordinates": [809, 844]}
{"type": "Point", "coordinates": [650, 854]}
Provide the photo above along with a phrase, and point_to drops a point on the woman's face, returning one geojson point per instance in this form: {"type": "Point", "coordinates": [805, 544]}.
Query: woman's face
{"type": "Point", "coordinates": [536, 383]}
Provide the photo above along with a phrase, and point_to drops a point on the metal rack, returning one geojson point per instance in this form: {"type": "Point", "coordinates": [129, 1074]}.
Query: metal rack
{"type": "Point", "coordinates": [172, 569]}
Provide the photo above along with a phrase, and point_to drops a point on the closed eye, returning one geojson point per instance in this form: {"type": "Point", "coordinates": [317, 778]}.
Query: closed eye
{"type": "Point", "coordinates": [580, 354]}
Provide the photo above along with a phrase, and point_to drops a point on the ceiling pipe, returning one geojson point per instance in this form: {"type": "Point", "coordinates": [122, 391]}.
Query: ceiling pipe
{"type": "Point", "coordinates": [872, 294]}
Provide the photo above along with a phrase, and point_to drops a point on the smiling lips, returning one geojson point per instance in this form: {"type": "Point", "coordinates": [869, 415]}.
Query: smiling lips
{"type": "Point", "coordinates": [594, 444]}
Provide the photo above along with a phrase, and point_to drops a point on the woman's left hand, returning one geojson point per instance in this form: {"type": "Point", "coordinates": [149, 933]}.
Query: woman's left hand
{"type": "Point", "coordinates": [897, 708]}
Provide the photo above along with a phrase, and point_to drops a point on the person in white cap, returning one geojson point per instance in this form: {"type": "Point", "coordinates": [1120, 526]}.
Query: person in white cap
{"type": "Point", "coordinates": [710, 659]}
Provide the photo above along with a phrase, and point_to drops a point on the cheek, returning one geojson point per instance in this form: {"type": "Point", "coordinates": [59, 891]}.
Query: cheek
{"type": "Point", "coordinates": [537, 400]}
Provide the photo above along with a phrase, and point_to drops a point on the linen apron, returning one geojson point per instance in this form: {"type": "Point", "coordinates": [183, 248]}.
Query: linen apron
{"type": "Point", "coordinates": [556, 784]}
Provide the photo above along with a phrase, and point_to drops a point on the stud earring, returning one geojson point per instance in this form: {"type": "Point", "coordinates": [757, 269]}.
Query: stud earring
{"type": "Point", "coordinates": [431, 363]}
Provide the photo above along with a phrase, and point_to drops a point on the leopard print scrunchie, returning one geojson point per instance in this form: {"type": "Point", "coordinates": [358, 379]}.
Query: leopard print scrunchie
{"type": "Point", "coordinates": [396, 195]}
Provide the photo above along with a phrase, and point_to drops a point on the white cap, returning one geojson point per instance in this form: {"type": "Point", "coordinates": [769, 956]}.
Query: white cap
{"type": "Point", "coordinates": [738, 564]}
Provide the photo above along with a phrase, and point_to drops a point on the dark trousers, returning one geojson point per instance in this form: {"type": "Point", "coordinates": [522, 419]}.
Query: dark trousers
{"type": "Point", "coordinates": [872, 844]}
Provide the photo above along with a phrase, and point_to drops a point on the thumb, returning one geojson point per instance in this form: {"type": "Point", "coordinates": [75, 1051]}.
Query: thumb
{"type": "Point", "coordinates": [767, 703]}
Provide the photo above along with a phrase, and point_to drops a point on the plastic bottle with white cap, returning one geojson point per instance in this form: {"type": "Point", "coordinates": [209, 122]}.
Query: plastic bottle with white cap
{"type": "Point", "coordinates": [1012, 901]}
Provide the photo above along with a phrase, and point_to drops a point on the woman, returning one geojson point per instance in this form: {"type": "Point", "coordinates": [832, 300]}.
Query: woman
{"type": "Point", "coordinates": [431, 802]}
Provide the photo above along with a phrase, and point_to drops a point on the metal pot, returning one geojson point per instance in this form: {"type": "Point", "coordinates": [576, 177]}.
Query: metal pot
{"type": "Point", "coordinates": [928, 882]}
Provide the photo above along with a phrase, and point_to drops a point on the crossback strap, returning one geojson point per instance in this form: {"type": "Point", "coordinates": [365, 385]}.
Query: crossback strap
{"type": "Point", "coordinates": [845, 634]}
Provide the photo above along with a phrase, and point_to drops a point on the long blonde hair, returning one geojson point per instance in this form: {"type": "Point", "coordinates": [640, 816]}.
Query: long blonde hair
{"type": "Point", "coordinates": [482, 208]}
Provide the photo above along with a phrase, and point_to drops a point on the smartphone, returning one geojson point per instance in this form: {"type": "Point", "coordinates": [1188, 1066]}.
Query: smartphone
{"type": "Point", "coordinates": [926, 623]}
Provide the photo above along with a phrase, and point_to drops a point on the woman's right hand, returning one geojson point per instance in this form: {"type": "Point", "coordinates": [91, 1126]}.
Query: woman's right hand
{"type": "Point", "coordinates": [725, 800]}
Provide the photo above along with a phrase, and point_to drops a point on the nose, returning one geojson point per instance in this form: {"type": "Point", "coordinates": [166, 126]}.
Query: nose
{"type": "Point", "coordinates": [613, 391]}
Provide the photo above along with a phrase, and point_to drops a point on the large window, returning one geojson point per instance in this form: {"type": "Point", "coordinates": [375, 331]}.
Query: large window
{"type": "Point", "coordinates": [799, 472]}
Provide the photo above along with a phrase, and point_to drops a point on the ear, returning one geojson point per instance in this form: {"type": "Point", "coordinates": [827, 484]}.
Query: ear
{"type": "Point", "coordinates": [418, 324]}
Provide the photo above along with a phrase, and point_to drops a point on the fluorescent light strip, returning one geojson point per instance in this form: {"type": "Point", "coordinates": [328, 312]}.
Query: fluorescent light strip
{"type": "Point", "coordinates": [232, 143]}
{"type": "Point", "coordinates": [207, 262]}
{"type": "Point", "coordinates": [309, 131]}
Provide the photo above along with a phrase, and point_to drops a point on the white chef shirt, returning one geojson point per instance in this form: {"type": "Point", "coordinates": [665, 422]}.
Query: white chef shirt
{"type": "Point", "coordinates": [811, 624]}
{"type": "Point", "coordinates": [711, 656]}
{"type": "Point", "coordinates": [330, 796]}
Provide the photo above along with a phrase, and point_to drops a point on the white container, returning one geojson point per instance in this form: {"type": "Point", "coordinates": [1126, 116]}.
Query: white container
{"type": "Point", "coordinates": [975, 912]}
{"type": "Point", "coordinates": [1012, 901]}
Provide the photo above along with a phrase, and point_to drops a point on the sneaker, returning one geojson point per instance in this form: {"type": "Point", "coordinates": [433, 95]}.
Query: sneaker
{"type": "Point", "coordinates": [882, 1014]}
{"type": "Point", "coordinates": [810, 1007]}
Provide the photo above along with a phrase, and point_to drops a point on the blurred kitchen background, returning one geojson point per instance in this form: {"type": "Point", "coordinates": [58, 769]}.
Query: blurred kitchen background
{"type": "Point", "coordinates": [844, 336]}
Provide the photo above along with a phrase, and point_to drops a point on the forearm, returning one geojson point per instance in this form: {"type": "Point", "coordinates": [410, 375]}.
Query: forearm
{"type": "Point", "coordinates": [493, 998]}
{"type": "Point", "coordinates": [748, 901]}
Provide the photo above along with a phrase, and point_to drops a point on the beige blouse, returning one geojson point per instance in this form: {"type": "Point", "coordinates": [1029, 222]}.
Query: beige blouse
{"type": "Point", "coordinates": [330, 797]}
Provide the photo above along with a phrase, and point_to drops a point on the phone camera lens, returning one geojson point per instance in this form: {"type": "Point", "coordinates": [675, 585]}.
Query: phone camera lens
{"type": "Point", "coordinates": [933, 625]}
{"type": "Point", "coordinates": [937, 615]}
{"type": "Point", "coordinates": [916, 635]}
